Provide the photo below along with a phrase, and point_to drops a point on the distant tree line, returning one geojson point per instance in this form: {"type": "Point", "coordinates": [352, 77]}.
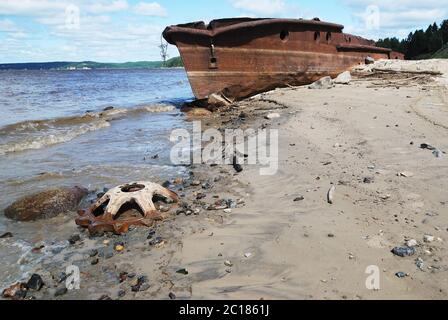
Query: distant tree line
{"type": "Point", "coordinates": [421, 44]}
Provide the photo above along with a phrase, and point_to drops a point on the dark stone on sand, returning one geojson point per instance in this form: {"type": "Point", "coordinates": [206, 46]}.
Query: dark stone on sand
{"type": "Point", "coordinates": [144, 287]}
{"type": "Point", "coordinates": [403, 251]}
{"type": "Point", "coordinates": [46, 204]}
{"type": "Point", "coordinates": [60, 292]}
{"type": "Point", "coordinates": [35, 282]}
{"type": "Point", "coordinates": [6, 235]}
{"type": "Point", "coordinates": [369, 180]}
{"type": "Point", "coordinates": [182, 271]}
{"type": "Point", "coordinates": [121, 293]}
{"type": "Point", "coordinates": [301, 198]}
{"type": "Point", "coordinates": [172, 296]}
{"type": "Point", "coordinates": [74, 239]}
{"type": "Point", "coordinates": [156, 241]}
{"type": "Point", "coordinates": [401, 275]}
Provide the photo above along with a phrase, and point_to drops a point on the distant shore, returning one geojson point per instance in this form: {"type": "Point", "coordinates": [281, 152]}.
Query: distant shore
{"type": "Point", "coordinates": [175, 62]}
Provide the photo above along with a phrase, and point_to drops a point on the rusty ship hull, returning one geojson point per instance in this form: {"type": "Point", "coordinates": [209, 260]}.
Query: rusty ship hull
{"type": "Point", "coordinates": [242, 57]}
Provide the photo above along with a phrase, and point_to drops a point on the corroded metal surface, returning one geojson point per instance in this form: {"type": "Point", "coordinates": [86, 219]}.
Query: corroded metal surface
{"type": "Point", "coordinates": [124, 206]}
{"type": "Point", "coordinates": [242, 57]}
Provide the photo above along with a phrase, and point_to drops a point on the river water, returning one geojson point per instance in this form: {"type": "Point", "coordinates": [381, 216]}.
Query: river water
{"type": "Point", "coordinates": [54, 132]}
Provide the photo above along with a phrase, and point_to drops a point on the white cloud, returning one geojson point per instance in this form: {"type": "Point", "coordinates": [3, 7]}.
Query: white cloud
{"type": "Point", "coordinates": [396, 18]}
{"type": "Point", "coordinates": [266, 7]}
{"type": "Point", "coordinates": [30, 7]}
{"type": "Point", "coordinates": [106, 7]}
{"type": "Point", "coordinates": [152, 9]}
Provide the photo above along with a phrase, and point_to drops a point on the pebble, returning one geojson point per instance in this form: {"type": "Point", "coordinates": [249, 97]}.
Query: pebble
{"type": "Point", "coordinates": [6, 235]}
{"type": "Point", "coordinates": [94, 261]}
{"type": "Point", "coordinates": [420, 263]}
{"type": "Point", "coordinates": [272, 116]}
{"type": "Point", "coordinates": [172, 296]}
{"type": "Point", "coordinates": [106, 242]}
{"type": "Point", "coordinates": [195, 183]}
{"type": "Point", "coordinates": [35, 282]}
{"type": "Point", "coordinates": [428, 238]}
{"type": "Point", "coordinates": [60, 292]}
{"type": "Point", "coordinates": [401, 275]}
{"type": "Point", "coordinates": [74, 239]}
{"type": "Point", "coordinates": [301, 198]}
{"type": "Point", "coordinates": [403, 251]}
{"type": "Point", "coordinates": [248, 255]}
{"type": "Point", "coordinates": [330, 235]}
{"type": "Point", "coordinates": [182, 271]}
{"type": "Point", "coordinates": [144, 287]}
{"type": "Point", "coordinates": [227, 210]}
{"type": "Point", "coordinates": [368, 180]}
{"type": "Point", "coordinates": [412, 243]}
{"type": "Point", "coordinates": [119, 248]}
{"type": "Point", "coordinates": [121, 293]}
{"type": "Point", "coordinates": [228, 263]}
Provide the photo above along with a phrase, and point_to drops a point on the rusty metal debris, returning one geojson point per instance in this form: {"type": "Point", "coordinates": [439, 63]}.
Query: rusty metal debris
{"type": "Point", "coordinates": [124, 206]}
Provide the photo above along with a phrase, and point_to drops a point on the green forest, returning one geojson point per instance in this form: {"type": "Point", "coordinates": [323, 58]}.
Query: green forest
{"type": "Point", "coordinates": [175, 62]}
{"type": "Point", "coordinates": [421, 44]}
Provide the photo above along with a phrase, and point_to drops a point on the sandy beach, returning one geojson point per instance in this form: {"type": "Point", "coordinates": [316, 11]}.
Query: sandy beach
{"type": "Point", "coordinates": [284, 240]}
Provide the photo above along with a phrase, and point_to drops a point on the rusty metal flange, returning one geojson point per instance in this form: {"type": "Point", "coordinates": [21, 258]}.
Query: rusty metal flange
{"type": "Point", "coordinates": [105, 214]}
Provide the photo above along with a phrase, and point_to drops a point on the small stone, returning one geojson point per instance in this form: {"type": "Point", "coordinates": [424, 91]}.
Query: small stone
{"type": "Point", "coordinates": [227, 210]}
{"type": "Point", "coordinates": [272, 116]}
{"type": "Point", "coordinates": [74, 239]}
{"type": "Point", "coordinates": [428, 238]}
{"type": "Point", "coordinates": [401, 275]}
{"type": "Point", "coordinates": [35, 282]}
{"type": "Point", "coordinates": [343, 78]}
{"type": "Point", "coordinates": [60, 292]}
{"type": "Point", "coordinates": [119, 248]}
{"type": "Point", "coordinates": [182, 271]}
{"type": "Point", "coordinates": [94, 261]}
{"type": "Point", "coordinates": [300, 198]}
{"type": "Point", "coordinates": [172, 296]}
{"type": "Point", "coordinates": [412, 243]}
{"type": "Point", "coordinates": [323, 83]}
{"type": "Point", "coordinates": [228, 263]}
{"type": "Point", "coordinates": [406, 174]}
{"type": "Point", "coordinates": [106, 242]}
{"type": "Point", "coordinates": [248, 255]}
{"type": "Point", "coordinates": [144, 287]}
{"type": "Point", "coordinates": [121, 293]}
{"type": "Point", "coordinates": [420, 263]}
{"type": "Point", "coordinates": [368, 180]}
{"type": "Point", "coordinates": [403, 251]}
{"type": "Point", "coordinates": [6, 235]}
{"type": "Point", "coordinates": [330, 235]}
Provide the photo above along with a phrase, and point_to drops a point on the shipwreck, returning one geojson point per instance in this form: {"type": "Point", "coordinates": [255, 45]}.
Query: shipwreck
{"type": "Point", "coordinates": [238, 58]}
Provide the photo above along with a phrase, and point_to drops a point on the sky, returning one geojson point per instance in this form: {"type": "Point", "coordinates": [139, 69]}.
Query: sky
{"type": "Point", "coordinates": [129, 30]}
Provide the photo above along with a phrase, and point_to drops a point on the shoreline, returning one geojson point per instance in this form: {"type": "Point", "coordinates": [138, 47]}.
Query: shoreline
{"type": "Point", "coordinates": [274, 246]}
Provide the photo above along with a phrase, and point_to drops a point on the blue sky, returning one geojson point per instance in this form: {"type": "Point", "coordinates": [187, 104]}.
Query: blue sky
{"type": "Point", "coordinates": [129, 30]}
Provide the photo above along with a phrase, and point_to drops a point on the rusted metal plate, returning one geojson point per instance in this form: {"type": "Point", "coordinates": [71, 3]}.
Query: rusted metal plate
{"type": "Point", "coordinates": [242, 57]}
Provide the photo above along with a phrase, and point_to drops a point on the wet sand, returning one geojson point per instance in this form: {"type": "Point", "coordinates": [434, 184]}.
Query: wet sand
{"type": "Point", "coordinates": [272, 247]}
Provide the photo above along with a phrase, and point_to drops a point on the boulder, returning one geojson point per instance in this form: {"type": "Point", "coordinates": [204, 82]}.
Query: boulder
{"type": "Point", "coordinates": [323, 83]}
{"type": "Point", "coordinates": [369, 60]}
{"type": "Point", "coordinates": [343, 78]}
{"type": "Point", "coordinates": [46, 204]}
